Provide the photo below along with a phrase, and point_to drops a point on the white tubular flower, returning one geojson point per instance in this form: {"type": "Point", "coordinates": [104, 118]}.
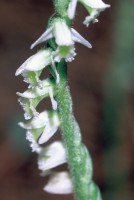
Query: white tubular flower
{"type": "Point", "coordinates": [94, 7]}
{"type": "Point", "coordinates": [45, 124]}
{"type": "Point", "coordinates": [59, 183]}
{"type": "Point", "coordinates": [48, 157]}
{"type": "Point", "coordinates": [36, 62]}
{"type": "Point", "coordinates": [65, 38]}
{"type": "Point", "coordinates": [36, 93]}
{"type": "Point", "coordinates": [33, 66]}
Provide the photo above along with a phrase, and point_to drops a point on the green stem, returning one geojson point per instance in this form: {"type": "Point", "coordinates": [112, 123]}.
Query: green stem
{"type": "Point", "coordinates": [78, 158]}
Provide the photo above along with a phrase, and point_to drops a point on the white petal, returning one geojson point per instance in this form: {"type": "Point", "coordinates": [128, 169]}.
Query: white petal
{"type": "Point", "coordinates": [62, 33]}
{"type": "Point", "coordinates": [39, 61]}
{"type": "Point", "coordinates": [72, 9]}
{"type": "Point", "coordinates": [48, 132]}
{"type": "Point", "coordinates": [78, 38]}
{"type": "Point", "coordinates": [59, 183]}
{"type": "Point", "coordinates": [36, 62]}
{"type": "Point", "coordinates": [48, 157]}
{"type": "Point", "coordinates": [95, 4]}
{"type": "Point", "coordinates": [22, 67]}
{"type": "Point", "coordinates": [44, 37]}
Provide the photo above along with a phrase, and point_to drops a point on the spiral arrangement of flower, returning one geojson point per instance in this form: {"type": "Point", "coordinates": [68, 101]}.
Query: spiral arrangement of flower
{"type": "Point", "coordinates": [60, 38]}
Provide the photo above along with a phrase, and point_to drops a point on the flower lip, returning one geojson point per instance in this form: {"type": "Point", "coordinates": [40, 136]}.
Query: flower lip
{"type": "Point", "coordinates": [48, 157]}
{"type": "Point", "coordinates": [59, 183]}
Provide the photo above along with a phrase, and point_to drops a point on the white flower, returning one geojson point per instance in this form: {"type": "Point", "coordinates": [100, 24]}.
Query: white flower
{"type": "Point", "coordinates": [36, 62]}
{"type": "Point", "coordinates": [94, 7]}
{"type": "Point", "coordinates": [52, 156]}
{"type": "Point", "coordinates": [65, 38]}
{"type": "Point", "coordinates": [33, 66]}
{"type": "Point", "coordinates": [45, 124]}
{"type": "Point", "coordinates": [59, 183]}
{"type": "Point", "coordinates": [34, 95]}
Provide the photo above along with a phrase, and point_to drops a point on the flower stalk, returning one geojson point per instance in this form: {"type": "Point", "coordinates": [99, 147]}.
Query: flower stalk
{"type": "Point", "coordinates": [60, 38]}
{"type": "Point", "coordinates": [79, 161]}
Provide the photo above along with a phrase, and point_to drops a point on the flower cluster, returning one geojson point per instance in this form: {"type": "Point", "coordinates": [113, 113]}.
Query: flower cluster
{"type": "Point", "coordinates": [42, 126]}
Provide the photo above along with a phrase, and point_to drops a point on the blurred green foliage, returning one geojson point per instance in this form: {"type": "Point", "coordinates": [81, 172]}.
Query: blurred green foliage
{"type": "Point", "coordinates": [118, 82]}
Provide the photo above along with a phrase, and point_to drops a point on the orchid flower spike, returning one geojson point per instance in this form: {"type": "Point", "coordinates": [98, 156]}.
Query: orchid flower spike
{"type": "Point", "coordinates": [65, 38]}
{"type": "Point", "coordinates": [94, 7]}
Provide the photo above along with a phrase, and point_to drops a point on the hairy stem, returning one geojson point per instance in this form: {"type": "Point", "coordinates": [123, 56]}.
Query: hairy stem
{"type": "Point", "coordinates": [78, 158]}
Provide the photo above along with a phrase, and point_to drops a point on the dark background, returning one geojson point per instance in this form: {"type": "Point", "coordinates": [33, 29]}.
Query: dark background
{"type": "Point", "coordinates": [101, 81]}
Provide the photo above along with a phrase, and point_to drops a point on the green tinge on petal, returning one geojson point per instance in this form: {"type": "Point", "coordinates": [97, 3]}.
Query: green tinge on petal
{"type": "Point", "coordinates": [41, 120]}
{"type": "Point", "coordinates": [37, 133]}
{"type": "Point", "coordinates": [64, 50]}
{"type": "Point", "coordinates": [33, 96]}
{"type": "Point", "coordinates": [36, 91]}
{"type": "Point", "coordinates": [32, 78]}
{"type": "Point", "coordinates": [29, 106]}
